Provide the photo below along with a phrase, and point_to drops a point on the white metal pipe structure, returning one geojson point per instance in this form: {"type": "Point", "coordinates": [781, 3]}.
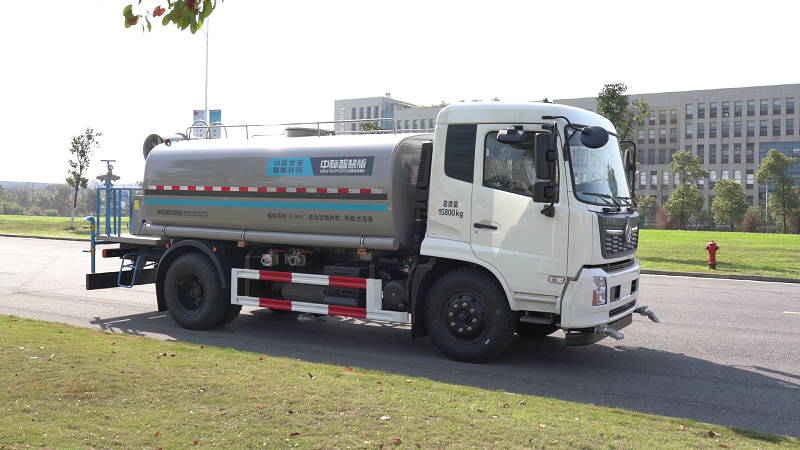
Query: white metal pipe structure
{"type": "Point", "coordinates": [207, 118]}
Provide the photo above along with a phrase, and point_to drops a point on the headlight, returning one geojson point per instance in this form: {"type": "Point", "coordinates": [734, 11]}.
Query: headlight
{"type": "Point", "coordinates": [598, 291]}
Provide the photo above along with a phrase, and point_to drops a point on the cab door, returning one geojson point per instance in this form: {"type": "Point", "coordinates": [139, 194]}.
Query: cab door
{"type": "Point", "coordinates": [509, 231]}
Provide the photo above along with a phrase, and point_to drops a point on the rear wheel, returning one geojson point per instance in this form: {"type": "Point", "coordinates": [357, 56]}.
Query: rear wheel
{"type": "Point", "coordinates": [468, 317]}
{"type": "Point", "coordinates": [193, 293]}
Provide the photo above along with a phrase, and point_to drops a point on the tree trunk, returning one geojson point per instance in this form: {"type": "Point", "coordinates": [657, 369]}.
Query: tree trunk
{"type": "Point", "coordinates": [74, 206]}
{"type": "Point", "coordinates": [72, 220]}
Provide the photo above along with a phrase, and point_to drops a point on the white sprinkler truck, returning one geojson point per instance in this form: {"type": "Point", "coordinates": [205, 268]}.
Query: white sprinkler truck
{"type": "Point", "coordinates": [507, 218]}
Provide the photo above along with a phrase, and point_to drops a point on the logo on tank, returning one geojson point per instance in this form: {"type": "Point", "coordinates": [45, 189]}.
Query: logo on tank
{"type": "Point", "coordinates": [319, 166]}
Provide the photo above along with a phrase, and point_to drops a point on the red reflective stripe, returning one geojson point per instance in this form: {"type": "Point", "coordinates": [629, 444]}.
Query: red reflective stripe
{"type": "Point", "coordinates": [176, 188]}
{"type": "Point", "coordinates": [226, 189]}
{"type": "Point", "coordinates": [347, 311]}
{"type": "Point", "coordinates": [359, 283]}
{"type": "Point", "coordinates": [208, 188]}
{"type": "Point", "coordinates": [159, 188]}
{"type": "Point", "coordinates": [301, 189]}
{"type": "Point", "coordinates": [274, 276]}
{"type": "Point", "coordinates": [344, 191]}
{"type": "Point", "coordinates": [366, 191]}
{"type": "Point", "coordinates": [243, 189]}
{"type": "Point", "coordinates": [272, 303]}
{"type": "Point", "coordinates": [280, 189]}
{"type": "Point", "coordinates": [262, 189]}
{"type": "Point", "coordinates": [192, 188]}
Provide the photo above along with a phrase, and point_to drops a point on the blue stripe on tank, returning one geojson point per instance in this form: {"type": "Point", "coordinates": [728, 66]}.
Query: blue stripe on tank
{"type": "Point", "coordinates": [273, 205]}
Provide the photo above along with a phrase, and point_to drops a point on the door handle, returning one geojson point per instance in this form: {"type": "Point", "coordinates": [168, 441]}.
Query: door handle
{"type": "Point", "coordinates": [484, 225]}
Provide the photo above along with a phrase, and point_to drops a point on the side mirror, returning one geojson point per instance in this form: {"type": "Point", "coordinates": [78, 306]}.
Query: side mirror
{"type": "Point", "coordinates": [511, 135]}
{"type": "Point", "coordinates": [544, 192]}
{"type": "Point", "coordinates": [594, 137]}
{"type": "Point", "coordinates": [544, 155]}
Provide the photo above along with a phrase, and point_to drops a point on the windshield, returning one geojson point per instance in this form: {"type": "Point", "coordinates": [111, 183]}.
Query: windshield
{"type": "Point", "coordinates": [598, 174]}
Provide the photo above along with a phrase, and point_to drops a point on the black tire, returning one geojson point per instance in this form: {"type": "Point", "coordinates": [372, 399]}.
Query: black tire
{"type": "Point", "coordinates": [193, 292]}
{"type": "Point", "coordinates": [535, 330]}
{"type": "Point", "coordinates": [468, 317]}
{"type": "Point", "coordinates": [230, 314]}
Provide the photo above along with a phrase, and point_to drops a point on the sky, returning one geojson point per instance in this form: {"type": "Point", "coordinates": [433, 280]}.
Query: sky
{"type": "Point", "coordinates": [71, 65]}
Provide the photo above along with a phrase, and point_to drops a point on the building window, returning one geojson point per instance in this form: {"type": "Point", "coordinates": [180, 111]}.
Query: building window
{"type": "Point", "coordinates": [726, 109]}
{"type": "Point", "coordinates": [789, 106]}
{"type": "Point", "coordinates": [651, 156]}
{"type": "Point", "coordinates": [642, 179]}
{"type": "Point", "coordinates": [776, 127]}
{"type": "Point", "coordinates": [369, 112]}
{"type": "Point", "coordinates": [750, 179]}
{"type": "Point", "coordinates": [764, 107]}
{"type": "Point", "coordinates": [712, 179]}
{"type": "Point", "coordinates": [653, 179]}
{"type": "Point", "coordinates": [737, 129]}
{"type": "Point", "coordinates": [750, 152]}
{"type": "Point", "coordinates": [687, 148]}
{"type": "Point", "coordinates": [665, 179]}
{"type": "Point", "coordinates": [725, 175]}
{"type": "Point", "coordinates": [701, 153]}
{"type": "Point", "coordinates": [763, 128]}
{"type": "Point", "coordinates": [673, 116]}
{"type": "Point", "coordinates": [662, 117]}
{"type": "Point", "coordinates": [662, 156]}
{"type": "Point", "coordinates": [652, 120]}
{"type": "Point", "coordinates": [652, 139]}
{"type": "Point", "coordinates": [407, 127]}
{"type": "Point", "coordinates": [431, 124]}
{"type": "Point", "coordinates": [689, 111]}
{"type": "Point", "coordinates": [689, 130]}
{"type": "Point", "coordinates": [354, 114]}
{"type": "Point", "coordinates": [737, 109]}
{"type": "Point", "coordinates": [662, 136]}
{"type": "Point", "coordinates": [414, 124]}
{"type": "Point", "coordinates": [776, 106]}
{"type": "Point", "coordinates": [712, 110]}
{"type": "Point", "coordinates": [750, 200]}
{"type": "Point", "coordinates": [712, 130]}
{"type": "Point", "coordinates": [751, 128]}
{"type": "Point", "coordinates": [701, 131]}
{"type": "Point", "coordinates": [751, 107]}
{"type": "Point", "coordinates": [361, 112]}
{"type": "Point", "coordinates": [640, 156]}
{"type": "Point", "coordinates": [701, 110]}
{"type": "Point", "coordinates": [641, 137]}
{"type": "Point", "coordinates": [672, 152]}
{"type": "Point", "coordinates": [725, 154]}
{"type": "Point", "coordinates": [712, 153]}
{"type": "Point", "coordinates": [737, 176]}
{"type": "Point", "coordinates": [352, 127]}
{"type": "Point", "coordinates": [789, 127]}
{"type": "Point", "coordinates": [726, 129]}
{"type": "Point", "coordinates": [737, 153]}
{"type": "Point", "coordinates": [673, 135]}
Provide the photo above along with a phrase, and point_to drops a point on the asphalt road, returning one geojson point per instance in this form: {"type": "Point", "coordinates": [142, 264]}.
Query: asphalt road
{"type": "Point", "coordinates": [726, 351]}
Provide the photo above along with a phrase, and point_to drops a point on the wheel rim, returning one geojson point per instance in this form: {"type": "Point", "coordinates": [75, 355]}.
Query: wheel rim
{"type": "Point", "coordinates": [465, 318]}
{"type": "Point", "coordinates": [190, 292]}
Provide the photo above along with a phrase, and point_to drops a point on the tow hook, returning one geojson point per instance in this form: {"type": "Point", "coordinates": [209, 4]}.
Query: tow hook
{"type": "Point", "coordinates": [605, 330]}
{"type": "Point", "coordinates": [646, 312]}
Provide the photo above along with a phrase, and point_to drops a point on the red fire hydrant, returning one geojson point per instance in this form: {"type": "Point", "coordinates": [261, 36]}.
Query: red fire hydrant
{"type": "Point", "coordinates": [712, 248]}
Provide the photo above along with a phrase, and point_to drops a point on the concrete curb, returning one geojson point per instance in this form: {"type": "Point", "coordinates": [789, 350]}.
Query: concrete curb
{"type": "Point", "coordinates": [721, 276]}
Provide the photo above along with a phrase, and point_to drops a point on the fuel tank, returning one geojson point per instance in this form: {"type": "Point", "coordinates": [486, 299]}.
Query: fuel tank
{"type": "Point", "coordinates": [361, 185]}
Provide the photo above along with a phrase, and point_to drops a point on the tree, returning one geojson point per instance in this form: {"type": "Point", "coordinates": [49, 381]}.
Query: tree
{"type": "Point", "coordinates": [686, 200]}
{"type": "Point", "coordinates": [614, 104]}
{"type": "Point", "coordinates": [183, 13]}
{"type": "Point", "coordinates": [370, 126]}
{"type": "Point", "coordinates": [81, 149]}
{"type": "Point", "coordinates": [751, 222]}
{"type": "Point", "coordinates": [648, 209]}
{"type": "Point", "coordinates": [784, 197]}
{"type": "Point", "coordinates": [729, 203]}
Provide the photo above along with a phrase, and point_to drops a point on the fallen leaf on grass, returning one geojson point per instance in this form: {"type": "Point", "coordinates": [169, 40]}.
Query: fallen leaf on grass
{"type": "Point", "coordinates": [385, 417]}
{"type": "Point", "coordinates": [349, 369]}
{"type": "Point", "coordinates": [312, 376]}
{"type": "Point", "coordinates": [397, 440]}
{"type": "Point", "coordinates": [723, 445]}
{"type": "Point", "coordinates": [295, 434]}
{"type": "Point", "coordinates": [410, 381]}
{"type": "Point", "coordinates": [681, 427]}
{"type": "Point", "coordinates": [505, 405]}
{"type": "Point", "coordinates": [712, 434]}
{"type": "Point", "coordinates": [522, 402]}
{"type": "Point", "coordinates": [202, 346]}
{"type": "Point", "coordinates": [290, 412]}
{"type": "Point", "coordinates": [260, 359]}
{"type": "Point", "coordinates": [158, 433]}
{"type": "Point", "coordinates": [195, 442]}
{"type": "Point", "coordinates": [543, 425]}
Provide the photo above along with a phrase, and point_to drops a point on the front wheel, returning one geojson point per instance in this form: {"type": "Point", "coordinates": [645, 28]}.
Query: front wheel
{"type": "Point", "coordinates": [193, 293]}
{"type": "Point", "coordinates": [468, 317]}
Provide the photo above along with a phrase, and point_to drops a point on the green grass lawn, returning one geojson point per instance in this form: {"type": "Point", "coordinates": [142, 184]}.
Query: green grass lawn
{"type": "Point", "coordinates": [770, 255]}
{"type": "Point", "coordinates": [64, 387]}
{"type": "Point", "coordinates": [57, 227]}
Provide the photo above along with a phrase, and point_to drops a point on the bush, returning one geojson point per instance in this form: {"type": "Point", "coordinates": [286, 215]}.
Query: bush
{"type": "Point", "coordinates": [663, 223]}
{"type": "Point", "coordinates": [751, 222]}
{"type": "Point", "coordinates": [11, 209]}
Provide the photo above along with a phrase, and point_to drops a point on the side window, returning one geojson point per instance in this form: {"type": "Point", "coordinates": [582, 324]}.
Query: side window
{"type": "Point", "coordinates": [509, 167]}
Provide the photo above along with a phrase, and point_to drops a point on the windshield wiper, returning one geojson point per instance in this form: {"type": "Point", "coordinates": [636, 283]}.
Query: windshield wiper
{"type": "Point", "coordinates": [605, 197]}
{"type": "Point", "coordinates": [632, 206]}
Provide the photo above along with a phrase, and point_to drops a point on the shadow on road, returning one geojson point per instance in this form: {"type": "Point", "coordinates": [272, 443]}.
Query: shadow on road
{"type": "Point", "coordinates": [635, 378]}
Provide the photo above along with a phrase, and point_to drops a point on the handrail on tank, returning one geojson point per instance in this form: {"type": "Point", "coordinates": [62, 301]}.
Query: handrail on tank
{"type": "Point", "coordinates": [113, 210]}
{"type": "Point", "coordinates": [318, 123]}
